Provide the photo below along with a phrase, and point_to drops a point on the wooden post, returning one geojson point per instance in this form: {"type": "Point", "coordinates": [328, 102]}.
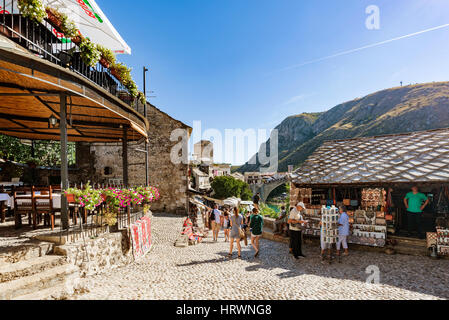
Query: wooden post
{"type": "Point", "coordinates": [64, 161]}
{"type": "Point", "coordinates": [125, 156]}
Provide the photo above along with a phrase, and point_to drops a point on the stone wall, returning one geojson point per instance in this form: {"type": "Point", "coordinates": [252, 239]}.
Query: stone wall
{"type": "Point", "coordinates": [109, 250]}
{"type": "Point", "coordinates": [171, 179]}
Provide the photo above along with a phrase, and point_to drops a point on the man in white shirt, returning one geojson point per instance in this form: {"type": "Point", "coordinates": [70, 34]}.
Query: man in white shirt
{"type": "Point", "coordinates": [295, 221]}
{"type": "Point", "coordinates": [217, 224]}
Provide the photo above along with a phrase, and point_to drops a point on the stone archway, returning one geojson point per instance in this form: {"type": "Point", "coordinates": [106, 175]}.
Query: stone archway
{"type": "Point", "coordinates": [266, 188]}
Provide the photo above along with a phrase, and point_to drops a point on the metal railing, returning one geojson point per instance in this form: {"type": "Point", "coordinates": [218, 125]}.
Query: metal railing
{"type": "Point", "coordinates": [44, 41]}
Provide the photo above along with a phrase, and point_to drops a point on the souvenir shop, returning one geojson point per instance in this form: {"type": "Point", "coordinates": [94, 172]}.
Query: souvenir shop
{"type": "Point", "coordinates": [371, 177]}
{"type": "Point", "coordinates": [374, 212]}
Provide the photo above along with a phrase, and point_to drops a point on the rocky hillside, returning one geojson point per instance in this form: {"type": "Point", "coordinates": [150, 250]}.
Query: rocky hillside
{"type": "Point", "coordinates": [396, 110]}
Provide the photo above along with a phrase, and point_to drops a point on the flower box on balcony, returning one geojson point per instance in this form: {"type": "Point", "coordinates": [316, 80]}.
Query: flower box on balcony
{"type": "Point", "coordinates": [76, 40]}
{"type": "Point", "coordinates": [115, 73]}
{"type": "Point", "coordinates": [54, 20]}
{"type": "Point", "coordinates": [105, 63]}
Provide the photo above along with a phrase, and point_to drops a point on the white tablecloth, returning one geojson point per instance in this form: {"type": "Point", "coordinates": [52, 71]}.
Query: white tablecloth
{"type": "Point", "coordinates": [11, 184]}
{"type": "Point", "coordinates": [56, 200]}
{"type": "Point", "coordinates": [6, 198]}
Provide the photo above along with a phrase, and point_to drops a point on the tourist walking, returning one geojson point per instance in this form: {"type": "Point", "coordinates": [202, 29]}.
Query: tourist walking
{"type": "Point", "coordinates": [236, 231]}
{"type": "Point", "coordinates": [217, 222]}
{"type": "Point", "coordinates": [245, 227]}
{"type": "Point", "coordinates": [415, 202]}
{"type": "Point", "coordinates": [256, 200]}
{"type": "Point", "coordinates": [296, 222]}
{"type": "Point", "coordinates": [343, 232]}
{"type": "Point", "coordinates": [226, 225]}
{"type": "Point", "coordinates": [256, 226]}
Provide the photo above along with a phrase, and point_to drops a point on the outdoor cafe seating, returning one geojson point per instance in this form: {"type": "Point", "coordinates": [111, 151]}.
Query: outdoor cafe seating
{"type": "Point", "coordinates": [39, 204]}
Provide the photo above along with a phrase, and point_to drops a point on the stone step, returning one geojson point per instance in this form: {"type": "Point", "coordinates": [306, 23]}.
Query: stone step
{"type": "Point", "coordinates": [58, 292]}
{"type": "Point", "coordinates": [34, 283]}
{"type": "Point", "coordinates": [26, 251]}
{"type": "Point", "coordinates": [11, 271]}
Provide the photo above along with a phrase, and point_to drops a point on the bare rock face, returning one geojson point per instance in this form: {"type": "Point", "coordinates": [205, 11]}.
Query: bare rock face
{"type": "Point", "coordinates": [397, 110]}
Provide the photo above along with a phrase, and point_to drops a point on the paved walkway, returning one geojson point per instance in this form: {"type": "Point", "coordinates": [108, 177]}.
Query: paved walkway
{"type": "Point", "coordinates": [204, 272]}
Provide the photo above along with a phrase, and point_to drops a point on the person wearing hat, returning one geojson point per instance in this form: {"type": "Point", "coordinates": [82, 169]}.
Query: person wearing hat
{"type": "Point", "coordinates": [296, 221]}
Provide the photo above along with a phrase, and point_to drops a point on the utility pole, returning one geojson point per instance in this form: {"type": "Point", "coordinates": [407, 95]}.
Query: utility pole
{"type": "Point", "coordinates": [145, 113]}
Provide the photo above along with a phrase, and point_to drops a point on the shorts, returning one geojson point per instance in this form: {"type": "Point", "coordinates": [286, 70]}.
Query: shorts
{"type": "Point", "coordinates": [216, 226]}
{"type": "Point", "coordinates": [255, 235]}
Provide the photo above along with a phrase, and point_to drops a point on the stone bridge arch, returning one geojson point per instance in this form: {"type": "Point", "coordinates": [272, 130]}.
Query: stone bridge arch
{"type": "Point", "coordinates": [266, 188]}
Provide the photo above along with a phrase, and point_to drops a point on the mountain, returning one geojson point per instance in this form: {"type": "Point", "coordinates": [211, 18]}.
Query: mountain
{"type": "Point", "coordinates": [396, 110]}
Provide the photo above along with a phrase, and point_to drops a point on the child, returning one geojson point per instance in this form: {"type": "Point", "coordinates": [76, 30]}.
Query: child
{"type": "Point", "coordinates": [343, 231]}
{"type": "Point", "coordinates": [226, 226]}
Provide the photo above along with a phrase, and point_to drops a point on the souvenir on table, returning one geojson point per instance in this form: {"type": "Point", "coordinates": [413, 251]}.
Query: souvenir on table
{"type": "Point", "coordinates": [329, 221]}
{"type": "Point", "coordinates": [380, 214]}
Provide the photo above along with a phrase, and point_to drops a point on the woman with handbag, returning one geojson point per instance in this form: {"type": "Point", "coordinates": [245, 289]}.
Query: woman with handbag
{"type": "Point", "coordinates": [236, 232]}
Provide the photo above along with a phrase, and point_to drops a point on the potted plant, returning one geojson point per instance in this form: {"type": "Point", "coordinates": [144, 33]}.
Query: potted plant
{"type": "Point", "coordinates": [141, 98]}
{"type": "Point", "coordinates": [54, 17]}
{"type": "Point", "coordinates": [107, 57]}
{"type": "Point", "coordinates": [89, 53]}
{"type": "Point", "coordinates": [32, 9]}
{"type": "Point", "coordinates": [120, 71]}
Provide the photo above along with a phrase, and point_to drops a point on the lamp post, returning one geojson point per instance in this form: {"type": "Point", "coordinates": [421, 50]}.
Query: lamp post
{"type": "Point", "coordinates": [147, 182]}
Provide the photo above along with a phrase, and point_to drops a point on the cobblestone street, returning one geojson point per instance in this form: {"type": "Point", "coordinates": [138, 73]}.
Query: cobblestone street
{"type": "Point", "coordinates": [204, 272]}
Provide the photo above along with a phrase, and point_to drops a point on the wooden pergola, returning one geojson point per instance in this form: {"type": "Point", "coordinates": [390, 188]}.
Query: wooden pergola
{"type": "Point", "coordinates": [40, 100]}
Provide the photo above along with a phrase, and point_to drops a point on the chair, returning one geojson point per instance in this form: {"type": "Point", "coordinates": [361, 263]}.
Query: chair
{"type": "Point", "coordinates": [23, 206]}
{"type": "Point", "coordinates": [43, 205]}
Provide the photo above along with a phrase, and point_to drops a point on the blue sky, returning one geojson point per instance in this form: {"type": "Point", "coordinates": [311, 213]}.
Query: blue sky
{"type": "Point", "coordinates": [227, 63]}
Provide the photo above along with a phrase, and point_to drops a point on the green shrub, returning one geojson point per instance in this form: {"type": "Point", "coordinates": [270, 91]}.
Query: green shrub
{"type": "Point", "coordinates": [32, 9]}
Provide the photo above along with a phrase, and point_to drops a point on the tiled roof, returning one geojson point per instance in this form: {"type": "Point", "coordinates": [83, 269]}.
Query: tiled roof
{"type": "Point", "coordinates": [414, 157]}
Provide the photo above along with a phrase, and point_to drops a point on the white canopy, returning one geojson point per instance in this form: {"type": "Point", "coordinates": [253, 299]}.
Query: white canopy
{"type": "Point", "coordinates": [92, 23]}
{"type": "Point", "coordinates": [90, 20]}
{"type": "Point", "coordinates": [232, 202]}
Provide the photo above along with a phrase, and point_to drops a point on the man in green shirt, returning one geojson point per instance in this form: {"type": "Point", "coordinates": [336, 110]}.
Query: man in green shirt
{"type": "Point", "coordinates": [415, 202]}
{"type": "Point", "coordinates": [256, 225]}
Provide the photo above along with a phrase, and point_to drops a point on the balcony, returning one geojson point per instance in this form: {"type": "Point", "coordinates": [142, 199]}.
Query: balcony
{"type": "Point", "coordinates": [45, 42]}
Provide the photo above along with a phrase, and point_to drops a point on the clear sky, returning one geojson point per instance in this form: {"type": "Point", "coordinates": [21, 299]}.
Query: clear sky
{"type": "Point", "coordinates": [229, 63]}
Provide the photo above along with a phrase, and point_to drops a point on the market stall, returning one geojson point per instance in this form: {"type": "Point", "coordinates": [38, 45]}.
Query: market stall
{"type": "Point", "coordinates": [371, 177]}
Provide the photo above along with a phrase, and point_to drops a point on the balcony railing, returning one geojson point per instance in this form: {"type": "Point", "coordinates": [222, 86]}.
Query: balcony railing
{"type": "Point", "coordinates": [44, 41]}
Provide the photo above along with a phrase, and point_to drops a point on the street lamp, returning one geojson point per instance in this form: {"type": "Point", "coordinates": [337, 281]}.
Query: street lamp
{"type": "Point", "coordinates": [52, 122]}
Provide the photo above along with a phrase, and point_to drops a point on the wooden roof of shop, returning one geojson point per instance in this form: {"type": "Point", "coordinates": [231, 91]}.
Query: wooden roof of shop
{"type": "Point", "coordinates": [29, 95]}
{"type": "Point", "coordinates": [401, 158]}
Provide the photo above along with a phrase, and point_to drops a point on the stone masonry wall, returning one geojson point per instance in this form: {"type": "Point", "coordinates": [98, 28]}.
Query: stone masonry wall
{"type": "Point", "coordinates": [169, 178]}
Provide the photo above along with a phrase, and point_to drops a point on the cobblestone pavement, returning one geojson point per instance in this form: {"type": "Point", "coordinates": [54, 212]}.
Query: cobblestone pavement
{"type": "Point", "coordinates": [204, 272]}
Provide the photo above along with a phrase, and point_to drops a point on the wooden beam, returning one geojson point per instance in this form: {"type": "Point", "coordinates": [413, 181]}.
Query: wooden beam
{"type": "Point", "coordinates": [75, 122]}
{"type": "Point", "coordinates": [17, 94]}
{"type": "Point", "coordinates": [64, 162]}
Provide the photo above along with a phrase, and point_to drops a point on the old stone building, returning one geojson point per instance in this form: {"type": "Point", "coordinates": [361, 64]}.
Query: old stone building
{"type": "Point", "coordinates": [104, 163]}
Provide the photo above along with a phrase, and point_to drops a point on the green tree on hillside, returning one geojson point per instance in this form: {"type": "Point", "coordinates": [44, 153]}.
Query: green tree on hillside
{"type": "Point", "coordinates": [227, 186]}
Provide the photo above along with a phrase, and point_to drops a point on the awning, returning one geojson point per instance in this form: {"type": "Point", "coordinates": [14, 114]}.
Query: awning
{"type": "Point", "coordinates": [90, 19]}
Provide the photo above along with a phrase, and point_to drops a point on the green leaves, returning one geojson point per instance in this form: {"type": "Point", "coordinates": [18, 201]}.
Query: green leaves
{"type": "Point", "coordinates": [227, 186]}
{"type": "Point", "coordinates": [89, 53]}
{"type": "Point", "coordinates": [32, 9]}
